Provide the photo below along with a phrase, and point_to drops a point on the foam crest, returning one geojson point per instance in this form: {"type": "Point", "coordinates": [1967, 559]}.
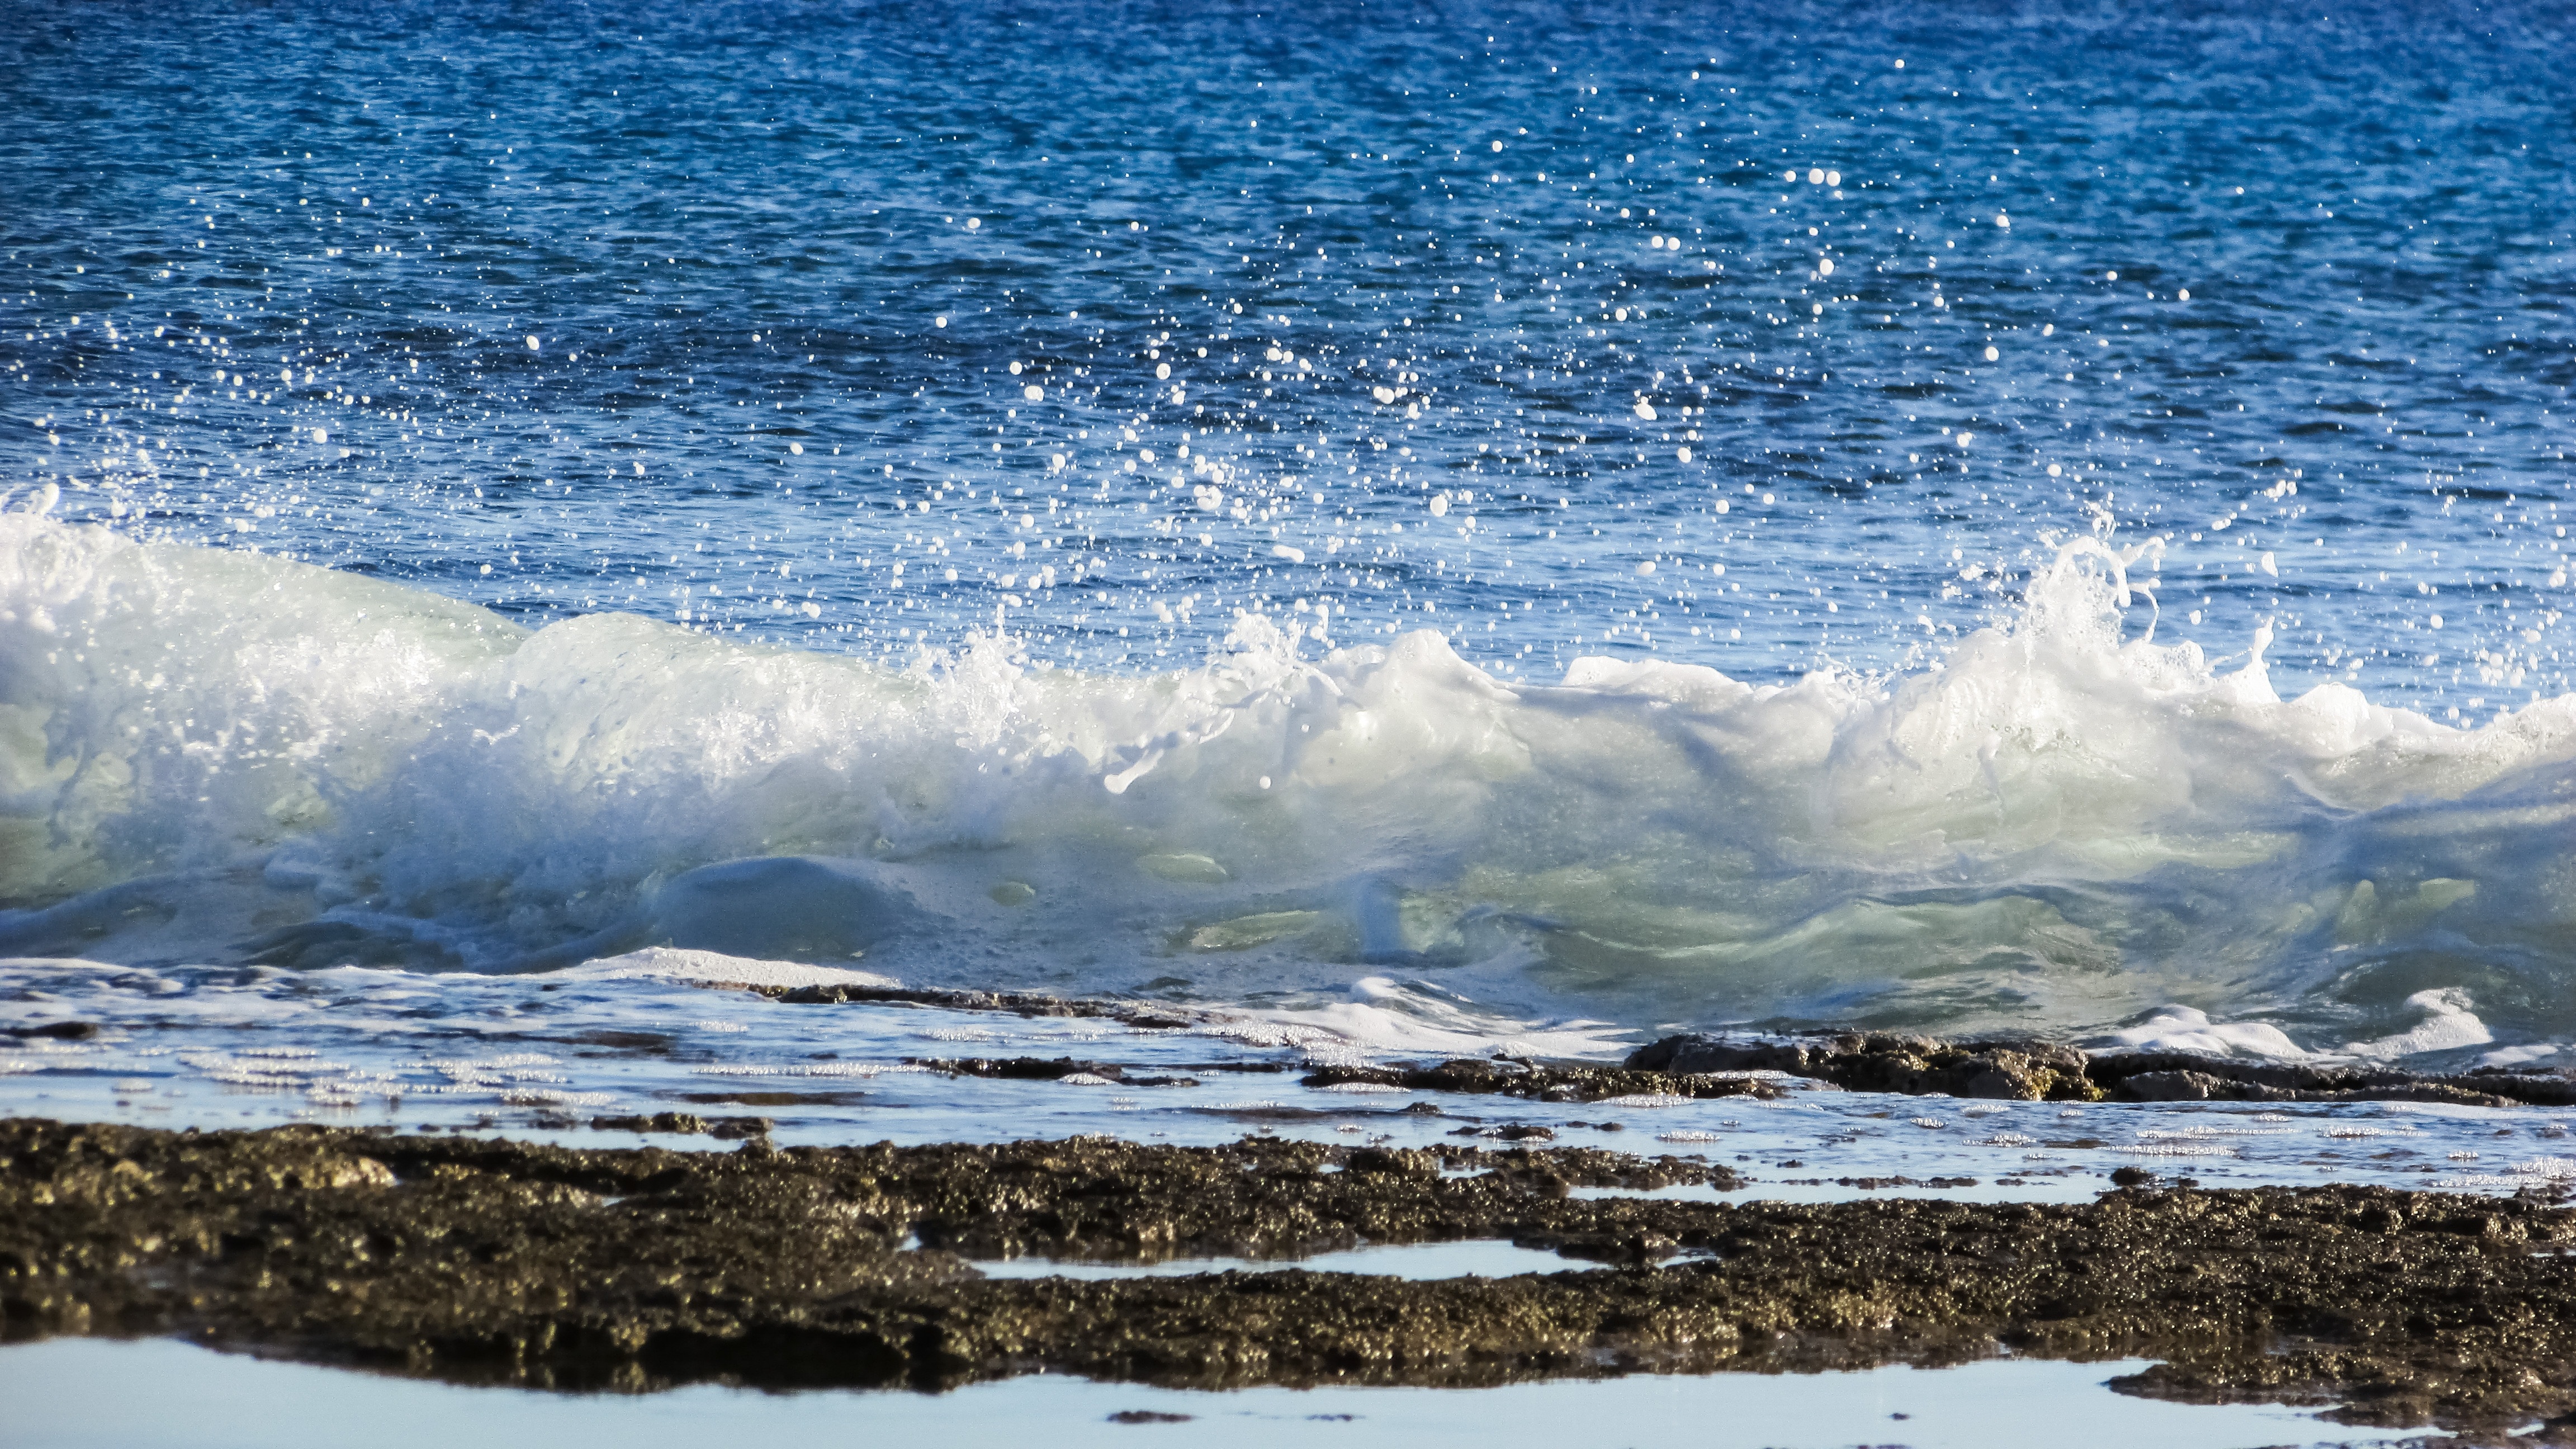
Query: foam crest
{"type": "Point", "coordinates": [217, 756]}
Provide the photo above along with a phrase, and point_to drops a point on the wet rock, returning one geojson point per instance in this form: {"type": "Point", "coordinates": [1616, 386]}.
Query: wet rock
{"type": "Point", "coordinates": [2028, 1069]}
{"type": "Point", "coordinates": [2138, 1076]}
{"type": "Point", "coordinates": [1154, 1017]}
{"type": "Point", "coordinates": [2174, 1087]}
{"type": "Point", "coordinates": [486, 1261]}
{"type": "Point", "coordinates": [682, 1123]}
{"type": "Point", "coordinates": [1537, 1082]}
{"type": "Point", "coordinates": [1398, 1161]}
{"type": "Point", "coordinates": [2018, 1070]}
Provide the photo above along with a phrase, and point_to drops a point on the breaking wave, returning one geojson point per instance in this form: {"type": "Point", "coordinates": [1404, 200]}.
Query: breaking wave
{"type": "Point", "coordinates": [213, 756]}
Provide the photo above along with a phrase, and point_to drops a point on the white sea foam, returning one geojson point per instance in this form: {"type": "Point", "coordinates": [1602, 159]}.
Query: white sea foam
{"type": "Point", "coordinates": [2448, 1023]}
{"type": "Point", "coordinates": [714, 968]}
{"type": "Point", "coordinates": [2187, 1029]}
{"type": "Point", "coordinates": [2062, 824]}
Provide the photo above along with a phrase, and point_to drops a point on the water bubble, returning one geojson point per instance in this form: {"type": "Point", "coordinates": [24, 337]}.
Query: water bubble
{"type": "Point", "coordinates": [532, 342]}
{"type": "Point", "coordinates": [1966, 438]}
{"type": "Point", "coordinates": [2183, 296]}
{"type": "Point", "coordinates": [1015, 369]}
{"type": "Point", "coordinates": [1498, 145]}
{"type": "Point", "coordinates": [1439, 505]}
{"type": "Point", "coordinates": [974, 222]}
{"type": "Point", "coordinates": [1816, 176]}
{"type": "Point", "coordinates": [1833, 178]}
{"type": "Point", "coordinates": [938, 321]}
{"type": "Point", "coordinates": [2110, 276]}
{"type": "Point", "coordinates": [1825, 268]}
{"type": "Point", "coordinates": [1162, 369]}
{"type": "Point", "coordinates": [1645, 410]}
{"type": "Point", "coordinates": [797, 448]}
{"type": "Point", "coordinates": [1992, 354]}
{"type": "Point", "coordinates": [1900, 65]}
{"type": "Point", "coordinates": [2054, 470]}
{"type": "Point", "coordinates": [2435, 621]}
{"type": "Point", "coordinates": [321, 435]}
{"type": "Point", "coordinates": [1033, 393]}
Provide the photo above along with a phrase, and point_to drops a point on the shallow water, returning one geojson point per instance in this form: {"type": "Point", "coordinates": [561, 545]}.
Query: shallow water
{"type": "Point", "coordinates": [1389, 521]}
{"type": "Point", "coordinates": [539, 1058]}
{"type": "Point", "coordinates": [131, 1394]}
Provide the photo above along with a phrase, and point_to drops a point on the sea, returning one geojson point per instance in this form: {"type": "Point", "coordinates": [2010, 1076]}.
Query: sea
{"type": "Point", "coordinates": [1381, 532]}
{"type": "Point", "coordinates": [530, 533]}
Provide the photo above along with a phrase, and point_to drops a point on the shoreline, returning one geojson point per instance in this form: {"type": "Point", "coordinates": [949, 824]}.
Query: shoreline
{"type": "Point", "coordinates": [484, 1261]}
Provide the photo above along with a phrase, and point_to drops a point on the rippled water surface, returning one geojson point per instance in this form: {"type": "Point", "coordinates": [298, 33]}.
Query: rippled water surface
{"type": "Point", "coordinates": [1947, 517]}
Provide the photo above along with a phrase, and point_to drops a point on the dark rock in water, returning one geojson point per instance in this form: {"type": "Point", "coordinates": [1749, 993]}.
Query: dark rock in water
{"type": "Point", "coordinates": [685, 1123]}
{"type": "Point", "coordinates": [688, 1124]}
{"type": "Point", "coordinates": [1147, 1416]}
{"type": "Point", "coordinates": [62, 1030]}
{"type": "Point", "coordinates": [499, 1262]}
{"type": "Point", "coordinates": [1400, 1161]}
{"type": "Point", "coordinates": [1541, 1083]}
{"type": "Point", "coordinates": [1158, 1016]}
{"type": "Point", "coordinates": [2032, 1070]}
{"type": "Point", "coordinates": [2017, 1069]}
{"type": "Point", "coordinates": [2181, 1086]}
{"type": "Point", "coordinates": [2131, 1177]}
{"type": "Point", "coordinates": [2141, 1076]}
{"type": "Point", "coordinates": [1037, 1069]}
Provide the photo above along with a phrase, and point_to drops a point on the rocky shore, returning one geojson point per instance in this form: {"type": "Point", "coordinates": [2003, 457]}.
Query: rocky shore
{"type": "Point", "coordinates": [502, 1262]}
{"type": "Point", "coordinates": [2029, 1069]}
{"type": "Point", "coordinates": [1712, 1064]}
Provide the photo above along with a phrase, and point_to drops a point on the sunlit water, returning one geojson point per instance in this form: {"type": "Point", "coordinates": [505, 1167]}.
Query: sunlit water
{"type": "Point", "coordinates": [131, 1395]}
{"type": "Point", "coordinates": [1495, 520]}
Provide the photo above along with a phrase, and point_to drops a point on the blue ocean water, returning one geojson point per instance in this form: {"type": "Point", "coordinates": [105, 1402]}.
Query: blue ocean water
{"type": "Point", "coordinates": [1936, 515]}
